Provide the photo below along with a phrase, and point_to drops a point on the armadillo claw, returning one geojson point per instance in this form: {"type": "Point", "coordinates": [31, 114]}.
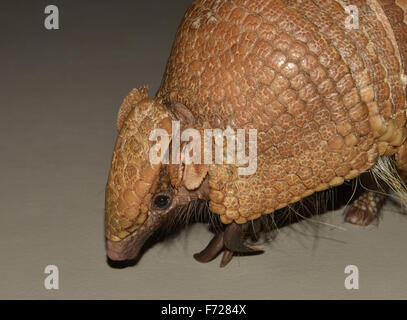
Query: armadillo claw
{"type": "Point", "coordinates": [212, 250]}
{"type": "Point", "coordinates": [231, 241]}
{"type": "Point", "coordinates": [227, 257]}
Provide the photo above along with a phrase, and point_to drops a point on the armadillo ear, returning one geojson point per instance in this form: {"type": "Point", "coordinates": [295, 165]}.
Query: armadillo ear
{"type": "Point", "coordinates": [129, 103]}
{"type": "Point", "coordinates": [189, 175]}
{"type": "Point", "coordinates": [194, 175]}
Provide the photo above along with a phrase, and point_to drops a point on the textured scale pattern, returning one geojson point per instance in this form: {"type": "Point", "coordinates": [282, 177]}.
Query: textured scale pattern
{"type": "Point", "coordinates": [131, 184]}
{"type": "Point", "coordinates": [327, 102]}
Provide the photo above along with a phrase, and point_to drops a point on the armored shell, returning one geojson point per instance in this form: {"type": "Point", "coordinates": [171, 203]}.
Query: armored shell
{"type": "Point", "coordinates": [326, 100]}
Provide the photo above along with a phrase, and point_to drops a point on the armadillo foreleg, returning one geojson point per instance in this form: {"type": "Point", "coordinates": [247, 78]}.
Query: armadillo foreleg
{"type": "Point", "coordinates": [231, 241]}
{"type": "Point", "coordinates": [234, 239]}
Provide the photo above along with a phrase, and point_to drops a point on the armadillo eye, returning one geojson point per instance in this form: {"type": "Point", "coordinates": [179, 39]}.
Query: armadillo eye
{"type": "Point", "coordinates": [162, 201]}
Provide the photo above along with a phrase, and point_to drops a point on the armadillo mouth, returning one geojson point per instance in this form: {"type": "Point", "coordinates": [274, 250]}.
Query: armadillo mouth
{"type": "Point", "coordinates": [129, 248]}
{"type": "Point", "coordinates": [126, 249]}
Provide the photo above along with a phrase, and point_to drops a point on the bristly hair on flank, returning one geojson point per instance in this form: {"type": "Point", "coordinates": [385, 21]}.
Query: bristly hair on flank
{"type": "Point", "coordinates": [384, 174]}
{"type": "Point", "coordinates": [195, 212]}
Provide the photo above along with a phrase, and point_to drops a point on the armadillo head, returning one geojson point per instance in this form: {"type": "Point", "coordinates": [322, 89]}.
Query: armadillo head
{"type": "Point", "coordinates": [139, 194]}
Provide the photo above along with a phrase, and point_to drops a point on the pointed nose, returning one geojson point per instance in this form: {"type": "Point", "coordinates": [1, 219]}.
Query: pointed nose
{"type": "Point", "coordinates": [122, 250]}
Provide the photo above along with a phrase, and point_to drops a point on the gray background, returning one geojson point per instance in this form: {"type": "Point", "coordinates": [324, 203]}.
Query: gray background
{"type": "Point", "coordinates": [60, 93]}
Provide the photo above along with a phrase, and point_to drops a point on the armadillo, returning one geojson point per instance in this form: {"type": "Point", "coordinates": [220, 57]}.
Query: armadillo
{"type": "Point", "coordinates": [323, 83]}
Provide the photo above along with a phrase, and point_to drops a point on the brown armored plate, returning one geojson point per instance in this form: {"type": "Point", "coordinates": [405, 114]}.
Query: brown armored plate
{"type": "Point", "coordinates": [289, 70]}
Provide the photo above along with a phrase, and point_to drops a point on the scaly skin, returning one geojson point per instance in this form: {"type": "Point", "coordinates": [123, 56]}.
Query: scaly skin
{"type": "Point", "coordinates": [327, 102]}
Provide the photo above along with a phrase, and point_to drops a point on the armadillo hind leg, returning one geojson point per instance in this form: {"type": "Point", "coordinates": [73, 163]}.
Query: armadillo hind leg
{"type": "Point", "coordinates": [366, 208]}
{"type": "Point", "coordinates": [231, 241]}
